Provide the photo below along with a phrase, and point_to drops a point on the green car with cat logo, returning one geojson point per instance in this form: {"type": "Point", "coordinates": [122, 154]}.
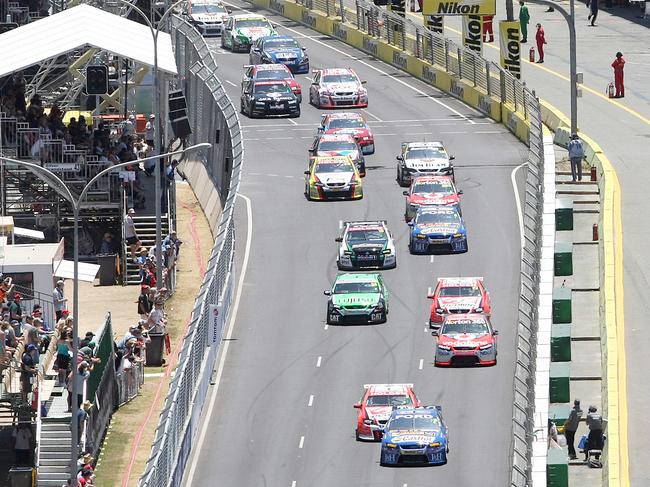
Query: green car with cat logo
{"type": "Point", "coordinates": [357, 298]}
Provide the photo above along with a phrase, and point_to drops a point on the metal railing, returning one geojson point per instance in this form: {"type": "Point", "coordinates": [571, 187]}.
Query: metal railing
{"type": "Point", "coordinates": [210, 111]}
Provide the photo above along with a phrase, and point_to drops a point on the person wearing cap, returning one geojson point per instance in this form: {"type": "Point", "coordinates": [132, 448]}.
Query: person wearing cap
{"type": "Point", "coordinates": [571, 426]}
{"type": "Point", "coordinates": [144, 305]}
{"type": "Point", "coordinates": [27, 371]}
{"type": "Point", "coordinates": [107, 244]}
{"type": "Point", "coordinates": [88, 338]}
{"type": "Point", "coordinates": [130, 233]}
{"type": "Point", "coordinates": [15, 311]}
{"type": "Point", "coordinates": [59, 299]}
{"type": "Point", "coordinates": [5, 288]}
{"type": "Point", "coordinates": [595, 439]}
{"type": "Point", "coordinates": [83, 372]}
{"type": "Point", "coordinates": [129, 126]}
{"type": "Point", "coordinates": [82, 415]}
{"type": "Point", "coordinates": [619, 65]}
{"type": "Point", "coordinates": [576, 155]}
{"type": "Point", "coordinates": [150, 131]}
{"type": "Point", "coordinates": [172, 239]}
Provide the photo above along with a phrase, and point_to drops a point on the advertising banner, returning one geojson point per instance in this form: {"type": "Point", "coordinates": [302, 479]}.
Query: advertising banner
{"type": "Point", "coordinates": [216, 323]}
{"type": "Point", "coordinates": [435, 23]}
{"type": "Point", "coordinates": [459, 7]}
{"type": "Point", "coordinates": [473, 33]}
{"type": "Point", "coordinates": [510, 48]}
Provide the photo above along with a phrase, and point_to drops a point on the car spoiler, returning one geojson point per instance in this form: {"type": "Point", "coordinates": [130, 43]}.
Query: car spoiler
{"type": "Point", "coordinates": [467, 277]}
{"type": "Point", "coordinates": [368, 386]}
{"type": "Point", "coordinates": [367, 222]}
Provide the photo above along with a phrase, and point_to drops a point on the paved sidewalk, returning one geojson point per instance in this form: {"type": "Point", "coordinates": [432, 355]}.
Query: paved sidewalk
{"type": "Point", "coordinates": [622, 128]}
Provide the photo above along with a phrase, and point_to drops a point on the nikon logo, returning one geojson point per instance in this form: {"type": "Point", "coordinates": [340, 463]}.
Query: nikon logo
{"type": "Point", "coordinates": [512, 61]}
{"type": "Point", "coordinates": [435, 23]}
{"type": "Point", "coordinates": [308, 19]}
{"type": "Point", "coordinates": [456, 89]}
{"type": "Point", "coordinates": [429, 75]}
{"type": "Point", "coordinates": [473, 30]}
{"type": "Point", "coordinates": [485, 104]}
{"type": "Point", "coordinates": [456, 8]}
{"type": "Point", "coordinates": [277, 6]}
{"type": "Point", "coordinates": [399, 60]}
{"type": "Point", "coordinates": [370, 46]}
{"type": "Point", "coordinates": [339, 31]}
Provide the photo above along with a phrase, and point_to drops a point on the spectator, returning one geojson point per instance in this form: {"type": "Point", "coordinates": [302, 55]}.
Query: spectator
{"type": "Point", "coordinates": [10, 335]}
{"type": "Point", "coordinates": [82, 416]}
{"type": "Point", "coordinates": [5, 289]}
{"type": "Point", "coordinates": [144, 305]}
{"type": "Point", "coordinates": [130, 233]}
{"type": "Point", "coordinates": [15, 311]}
{"type": "Point", "coordinates": [63, 355]}
{"type": "Point", "coordinates": [128, 128]}
{"type": "Point", "coordinates": [576, 154]}
{"type": "Point", "coordinates": [83, 372]}
{"type": "Point", "coordinates": [595, 440]}
{"type": "Point", "coordinates": [59, 299]}
{"type": "Point", "coordinates": [23, 441]}
{"type": "Point", "coordinates": [593, 11]}
{"type": "Point", "coordinates": [107, 244]}
{"type": "Point", "coordinates": [88, 339]}
{"type": "Point", "coordinates": [619, 66]}
{"type": "Point", "coordinates": [149, 131]}
{"type": "Point", "coordinates": [172, 239]}
{"type": "Point", "coordinates": [84, 479]}
{"type": "Point", "coordinates": [524, 19]}
{"type": "Point", "coordinates": [571, 426]}
{"type": "Point", "coordinates": [27, 371]}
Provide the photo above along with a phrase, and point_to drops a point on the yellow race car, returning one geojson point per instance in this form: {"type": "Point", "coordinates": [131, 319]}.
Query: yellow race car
{"type": "Point", "coordinates": [332, 178]}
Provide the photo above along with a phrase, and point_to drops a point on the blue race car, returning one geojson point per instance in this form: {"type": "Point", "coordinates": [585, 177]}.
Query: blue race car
{"type": "Point", "coordinates": [280, 50]}
{"type": "Point", "coordinates": [438, 229]}
{"type": "Point", "coordinates": [414, 436]}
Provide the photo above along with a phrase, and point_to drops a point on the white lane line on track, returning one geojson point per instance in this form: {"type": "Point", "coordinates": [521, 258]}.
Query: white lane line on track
{"type": "Point", "coordinates": [278, 138]}
{"type": "Point", "coordinates": [293, 484]}
{"type": "Point", "coordinates": [326, 326]}
{"type": "Point", "coordinates": [340, 224]}
{"type": "Point", "coordinates": [302, 442]}
{"type": "Point", "coordinates": [431, 259]}
{"type": "Point", "coordinates": [292, 122]}
{"type": "Point", "coordinates": [426, 329]}
{"type": "Point", "coordinates": [311, 401]}
{"type": "Point", "coordinates": [230, 83]}
{"type": "Point", "coordinates": [226, 344]}
{"type": "Point", "coordinates": [520, 216]}
{"type": "Point", "coordinates": [374, 68]}
{"type": "Point", "coordinates": [372, 115]}
{"type": "Point", "coordinates": [421, 364]}
{"type": "Point", "coordinates": [318, 362]}
{"type": "Point", "coordinates": [459, 132]}
{"type": "Point", "coordinates": [272, 175]}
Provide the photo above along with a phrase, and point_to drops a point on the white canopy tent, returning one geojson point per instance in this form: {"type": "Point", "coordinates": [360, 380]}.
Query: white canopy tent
{"type": "Point", "coordinates": [78, 27]}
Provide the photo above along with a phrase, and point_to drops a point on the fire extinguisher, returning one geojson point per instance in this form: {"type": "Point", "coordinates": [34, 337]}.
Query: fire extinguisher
{"type": "Point", "coordinates": [531, 55]}
{"type": "Point", "coordinates": [610, 90]}
{"type": "Point", "coordinates": [35, 399]}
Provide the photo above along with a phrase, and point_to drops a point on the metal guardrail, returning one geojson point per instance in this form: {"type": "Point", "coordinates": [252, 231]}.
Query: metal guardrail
{"type": "Point", "coordinates": [208, 107]}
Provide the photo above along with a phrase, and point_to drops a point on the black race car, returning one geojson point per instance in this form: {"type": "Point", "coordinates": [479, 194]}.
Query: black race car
{"type": "Point", "coordinates": [268, 98]}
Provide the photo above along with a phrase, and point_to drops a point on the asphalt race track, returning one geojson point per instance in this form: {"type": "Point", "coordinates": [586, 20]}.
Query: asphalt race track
{"type": "Point", "coordinates": [283, 414]}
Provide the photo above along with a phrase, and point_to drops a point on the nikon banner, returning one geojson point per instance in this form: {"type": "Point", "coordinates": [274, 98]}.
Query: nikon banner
{"type": "Point", "coordinates": [510, 47]}
{"type": "Point", "coordinates": [435, 23]}
{"type": "Point", "coordinates": [473, 33]}
{"type": "Point", "coordinates": [459, 7]}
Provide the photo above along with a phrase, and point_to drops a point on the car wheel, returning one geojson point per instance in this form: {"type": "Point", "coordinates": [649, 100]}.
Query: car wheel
{"type": "Point", "coordinates": [356, 435]}
{"type": "Point", "coordinates": [296, 114]}
{"type": "Point", "coordinates": [250, 111]}
{"type": "Point", "coordinates": [398, 177]}
{"type": "Point", "coordinates": [299, 98]}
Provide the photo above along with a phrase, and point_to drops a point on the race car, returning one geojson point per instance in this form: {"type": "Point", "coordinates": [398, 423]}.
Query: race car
{"type": "Point", "coordinates": [366, 245]}
{"type": "Point", "coordinates": [357, 298]}
{"type": "Point", "coordinates": [414, 436]}
{"type": "Point", "coordinates": [349, 123]}
{"type": "Point", "coordinates": [458, 295]}
{"type": "Point", "coordinates": [437, 229]}
{"type": "Point", "coordinates": [240, 31]}
{"type": "Point", "coordinates": [466, 340]}
{"type": "Point", "coordinates": [420, 158]}
{"type": "Point", "coordinates": [267, 98]}
{"type": "Point", "coordinates": [207, 17]}
{"type": "Point", "coordinates": [430, 190]}
{"type": "Point", "coordinates": [376, 405]}
{"type": "Point", "coordinates": [273, 72]}
{"type": "Point", "coordinates": [339, 145]}
{"type": "Point", "coordinates": [280, 49]}
{"type": "Point", "coordinates": [330, 178]}
{"type": "Point", "coordinates": [337, 87]}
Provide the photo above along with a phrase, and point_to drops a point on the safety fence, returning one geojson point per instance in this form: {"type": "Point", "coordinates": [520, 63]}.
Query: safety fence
{"type": "Point", "coordinates": [213, 119]}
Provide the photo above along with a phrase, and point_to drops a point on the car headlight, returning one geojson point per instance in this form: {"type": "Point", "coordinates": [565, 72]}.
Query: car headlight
{"type": "Point", "coordinates": [347, 252]}
{"type": "Point", "coordinates": [458, 235]}
{"type": "Point", "coordinates": [304, 60]}
{"type": "Point", "coordinates": [479, 310]}
{"type": "Point", "coordinates": [390, 445]}
{"type": "Point", "coordinates": [387, 252]}
{"type": "Point", "coordinates": [444, 347]}
{"type": "Point", "coordinates": [485, 347]}
{"type": "Point", "coordinates": [365, 138]}
{"type": "Point", "coordinates": [419, 235]}
{"type": "Point", "coordinates": [435, 443]}
{"type": "Point", "coordinates": [319, 185]}
{"type": "Point", "coordinates": [293, 102]}
{"type": "Point", "coordinates": [440, 310]}
{"type": "Point", "coordinates": [379, 306]}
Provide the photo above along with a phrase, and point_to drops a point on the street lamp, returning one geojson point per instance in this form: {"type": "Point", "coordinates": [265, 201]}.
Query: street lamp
{"type": "Point", "coordinates": [570, 20]}
{"type": "Point", "coordinates": [59, 186]}
{"type": "Point", "coordinates": [159, 129]}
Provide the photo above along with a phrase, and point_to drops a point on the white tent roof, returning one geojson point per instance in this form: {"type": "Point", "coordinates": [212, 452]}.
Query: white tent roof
{"type": "Point", "coordinates": [77, 27]}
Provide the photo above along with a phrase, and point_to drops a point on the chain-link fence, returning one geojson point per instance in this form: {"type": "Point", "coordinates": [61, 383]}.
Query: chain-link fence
{"type": "Point", "coordinates": [213, 119]}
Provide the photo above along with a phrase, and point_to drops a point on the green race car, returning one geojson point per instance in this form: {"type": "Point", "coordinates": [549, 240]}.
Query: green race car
{"type": "Point", "coordinates": [240, 31]}
{"type": "Point", "coordinates": [357, 298]}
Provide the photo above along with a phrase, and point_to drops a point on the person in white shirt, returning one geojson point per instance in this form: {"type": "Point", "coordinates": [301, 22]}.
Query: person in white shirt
{"type": "Point", "coordinates": [129, 126]}
{"type": "Point", "coordinates": [150, 131]}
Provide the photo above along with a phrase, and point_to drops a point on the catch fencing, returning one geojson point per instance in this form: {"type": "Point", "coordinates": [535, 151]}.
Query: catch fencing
{"type": "Point", "coordinates": [213, 119]}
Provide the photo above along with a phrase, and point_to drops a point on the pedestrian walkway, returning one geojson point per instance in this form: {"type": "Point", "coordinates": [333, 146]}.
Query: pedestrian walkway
{"type": "Point", "coordinates": [621, 127]}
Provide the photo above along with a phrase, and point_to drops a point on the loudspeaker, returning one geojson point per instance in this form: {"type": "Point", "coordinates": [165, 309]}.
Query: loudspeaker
{"type": "Point", "coordinates": [178, 114]}
{"type": "Point", "coordinates": [181, 127]}
{"type": "Point", "coordinates": [177, 101]}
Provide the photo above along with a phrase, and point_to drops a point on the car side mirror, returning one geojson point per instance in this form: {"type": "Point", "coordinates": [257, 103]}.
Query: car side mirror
{"type": "Point", "coordinates": [327, 293]}
{"type": "Point", "coordinates": [495, 332]}
{"type": "Point", "coordinates": [357, 405]}
{"type": "Point", "coordinates": [460, 191]}
{"type": "Point", "coordinates": [399, 158]}
{"type": "Point", "coordinates": [430, 295]}
{"type": "Point", "coordinates": [410, 224]}
{"type": "Point", "coordinates": [374, 427]}
{"type": "Point", "coordinates": [304, 49]}
{"type": "Point", "coordinates": [306, 173]}
{"type": "Point", "coordinates": [338, 239]}
{"type": "Point", "coordinates": [364, 82]}
{"type": "Point", "coordinates": [451, 158]}
{"type": "Point", "coordinates": [434, 333]}
{"type": "Point", "coordinates": [405, 193]}
{"type": "Point", "coordinates": [229, 10]}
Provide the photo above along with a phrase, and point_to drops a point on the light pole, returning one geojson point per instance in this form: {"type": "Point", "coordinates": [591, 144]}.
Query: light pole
{"type": "Point", "coordinates": [159, 129]}
{"type": "Point", "coordinates": [59, 186]}
{"type": "Point", "coordinates": [570, 20]}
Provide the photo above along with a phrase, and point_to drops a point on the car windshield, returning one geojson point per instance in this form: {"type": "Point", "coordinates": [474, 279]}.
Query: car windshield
{"type": "Point", "coordinates": [412, 422]}
{"type": "Point", "coordinates": [428, 153]}
{"type": "Point", "coordinates": [336, 145]}
{"type": "Point", "coordinates": [208, 8]}
{"type": "Point", "coordinates": [389, 400]}
{"type": "Point", "coordinates": [333, 167]}
{"type": "Point", "coordinates": [281, 44]}
{"type": "Point", "coordinates": [356, 287]}
{"type": "Point", "coordinates": [459, 291]}
{"type": "Point", "coordinates": [357, 236]}
{"type": "Point", "coordinates": [339, 78]}
{"type": "Point", "coordinates": [439, 217]}
{"type": "Point", "coordinates": [434, 187]}
{"type": "Point", "coordinates": [465, 326]}
{"type": "Point", "coordinates": [272, 74]}
{"type": "Point", "coordinates": [245, 23]}
{"type": "Point", "coordinates": [274, 88]}
{"type": "Point", "coordinates": [346, 123]}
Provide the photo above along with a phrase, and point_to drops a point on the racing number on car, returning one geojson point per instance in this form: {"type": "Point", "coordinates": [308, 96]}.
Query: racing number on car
{"type": "Point", "coordinates": [375, 316]}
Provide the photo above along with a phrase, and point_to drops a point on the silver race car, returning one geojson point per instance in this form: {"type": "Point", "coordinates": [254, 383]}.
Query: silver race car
{"type": "Point", "coordinates": [366, 245]}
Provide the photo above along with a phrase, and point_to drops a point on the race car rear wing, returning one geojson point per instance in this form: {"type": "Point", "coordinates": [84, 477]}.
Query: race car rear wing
{"type": "Point", "coordinates": [368, 386]}
{"type": "Point", "coordinates": [367, 222]}
{"type": "Point", "coordinates": [461, 278]}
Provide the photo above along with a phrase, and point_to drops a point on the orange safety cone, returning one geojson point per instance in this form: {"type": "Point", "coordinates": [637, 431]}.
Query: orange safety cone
{"type": "Point", "coordinates": [531, 55]}
{"type": "Point", "coordinates": [593, 173]}
{"type": "Point", "coordinates": [610, 90]}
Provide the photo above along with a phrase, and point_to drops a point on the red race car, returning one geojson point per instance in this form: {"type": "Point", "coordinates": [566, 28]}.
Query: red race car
{"type": "Point", "coordinates": [377, 404]}
{"type": "Point", "coordinates": [458, 295]}
{"type": "Point", "coordinates": [273, 72]}
{"type": "Point", "coordinates": [349, 123]}
{"type": "Point", "coordinates": [430, 190]}
{"type": "Point", "coordinates": [466, 340]}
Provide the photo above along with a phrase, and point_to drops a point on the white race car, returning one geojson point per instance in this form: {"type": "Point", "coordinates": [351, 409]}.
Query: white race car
{"type": "Point", "coordinates": [422, 159]}
{"type": "Point", "coordinates": [366, 245]}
